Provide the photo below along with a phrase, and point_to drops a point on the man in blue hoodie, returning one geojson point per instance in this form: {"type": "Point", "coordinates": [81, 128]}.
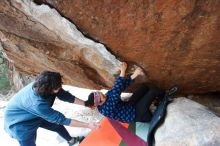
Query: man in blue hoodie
{"type": "Point", "coordinates": [31, 108]}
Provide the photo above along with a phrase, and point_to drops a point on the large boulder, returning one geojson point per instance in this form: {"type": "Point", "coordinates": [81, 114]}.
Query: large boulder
{"type": "Point", "coordinates": [188, 124]}
{"type": "Point", "coordinates": [36, 38]}
{"type": "Point", "coordinates": [176, 42]}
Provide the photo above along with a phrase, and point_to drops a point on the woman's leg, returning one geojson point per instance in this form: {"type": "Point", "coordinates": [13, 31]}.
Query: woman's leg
{"type": "Point", "coordinates": [138, 94]}
{"type": "Point", "coordinates": [29, 142]}
{"type": "Point", "coordinates": [143, 113]}
{"type": "Point", "coordinates": [60, 129]}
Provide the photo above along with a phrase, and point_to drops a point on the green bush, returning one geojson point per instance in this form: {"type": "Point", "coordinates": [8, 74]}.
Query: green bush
{"type": "Point", "coordinates": [4, 81]}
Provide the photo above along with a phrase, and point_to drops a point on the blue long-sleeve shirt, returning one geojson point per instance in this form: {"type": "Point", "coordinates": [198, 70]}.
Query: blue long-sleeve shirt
{"type": "Point", "coordinates": [26, 110]}
{"type": "Point", "coordinates": [114, 107]}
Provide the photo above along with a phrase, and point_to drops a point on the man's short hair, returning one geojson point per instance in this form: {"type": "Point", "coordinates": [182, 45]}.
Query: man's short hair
{"type": "Point", "coordinates": [90, 101]}
{"type": "Point", "coordinates": [46, 82]}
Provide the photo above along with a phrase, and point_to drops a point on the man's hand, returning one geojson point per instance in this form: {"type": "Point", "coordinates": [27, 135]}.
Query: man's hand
{"type": "Point", "coordinates": [123, 66]}
{"type": "Point", "coordinates": [123, 69]}
{"type": "Point", "coordinates": [79, 101]}
{"type": "Point", "coordinates": [138, 71]}
{"type": "Point", "coordinates": [93, 126]}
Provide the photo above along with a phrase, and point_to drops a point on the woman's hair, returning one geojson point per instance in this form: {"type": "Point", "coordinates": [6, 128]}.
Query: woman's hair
{"type": "Point", "coordinates": [90, 101]}
{"type": "Point", "coordinates": [46, 82]}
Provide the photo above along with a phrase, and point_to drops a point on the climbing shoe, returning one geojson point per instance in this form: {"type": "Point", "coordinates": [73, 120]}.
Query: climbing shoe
{"type": "Point", "coordinates": [172, 90]}
{"type": "Point", "coordinates": [75, 140]}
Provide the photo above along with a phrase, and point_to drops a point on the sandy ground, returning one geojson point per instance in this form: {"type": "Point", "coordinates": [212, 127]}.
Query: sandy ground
{"type": "Point", "coordinates": [48, 138]}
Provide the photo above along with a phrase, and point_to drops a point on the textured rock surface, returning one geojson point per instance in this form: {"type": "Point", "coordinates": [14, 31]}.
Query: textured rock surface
{"type": "Point", "coordinates": [176, 42]}
{"type": "Point", "coordinates": [188, 124]}
{"type": "Point", "coordinates": [37, 37]}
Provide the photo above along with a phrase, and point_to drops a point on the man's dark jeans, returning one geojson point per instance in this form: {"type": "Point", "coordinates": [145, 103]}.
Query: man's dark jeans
{"type": "Point", "coordinates": [60, 129]}
{"type": "Point", "coordinates": [142, 98]}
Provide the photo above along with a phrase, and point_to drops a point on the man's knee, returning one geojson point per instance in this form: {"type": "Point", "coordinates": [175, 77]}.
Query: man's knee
{"type": "Point", "coordinates": [143, 87]}
{"type": "Point", "coordinates": [141, 91]}
{"type": "Point", "coordinates": [156, 92]}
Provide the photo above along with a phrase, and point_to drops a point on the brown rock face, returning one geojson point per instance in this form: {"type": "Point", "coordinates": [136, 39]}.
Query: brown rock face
{"type": "Point", "coordinates": [175, 41]}
{"type": "Point", "coordinates": [38, 38]}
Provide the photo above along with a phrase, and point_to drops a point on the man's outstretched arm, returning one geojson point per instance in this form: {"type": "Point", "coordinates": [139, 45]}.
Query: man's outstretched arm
{"type": "Point", "coordinates": [91, 125]}
{"type": "Point", "coordinates": [123, 82]}
{"type": "Point", "coordinates": [79, 101]}
{"type": "Point", "coordinates": [68, 97]}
